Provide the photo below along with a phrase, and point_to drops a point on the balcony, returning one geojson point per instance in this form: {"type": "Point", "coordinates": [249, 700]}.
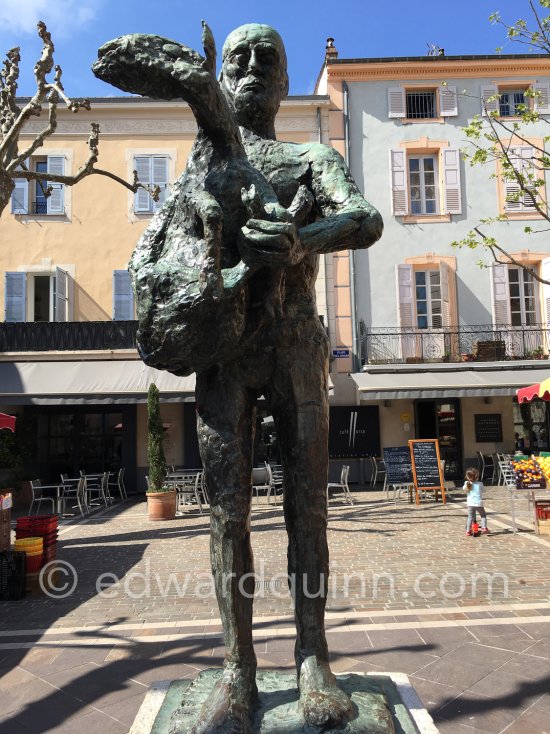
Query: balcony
{"type": "Point", "coordinates": [44, 336]}
{"type": "Point", "coordinates": [482, 343]}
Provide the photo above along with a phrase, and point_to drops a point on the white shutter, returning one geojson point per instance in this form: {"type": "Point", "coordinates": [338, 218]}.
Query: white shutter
{"type": "Point", "coordinates": [405, 295]}
{"type": "Point", "coordinates": [514, 199]}
{"type": "Point", "coordinates": [398, 163]}
{"type": "Point", "coordinates": [160, 178]}
{"type": "Point", "coordinates": [451, 181]}
{"type": "Point", "coordinates": [142, 200]}
{"type": "Point", "coordinates": [545, 275]}
{"type": "Point", "coordinates": [448, 105]}
{"type": "Point", "coordinates": [55, 201]}
{"type": "Point", "coordinates": [15, 297]}
{"type": "Point", "coordinates": [396, 102]}
{"type": "Point", "coordinates": [487, 104]}
{"type": "Point", "coordinates": [542, 103]}
{"type": "Point", "coordinates": [526, 154]}
{"type": "Point", "coordinates": [20, 197]}
{"type": "Point", "coordinates": [123, 296]}
{"type": "Point", "coordinates": [61, 294]}
{"type": "Point", "coordinates": [501, 295]}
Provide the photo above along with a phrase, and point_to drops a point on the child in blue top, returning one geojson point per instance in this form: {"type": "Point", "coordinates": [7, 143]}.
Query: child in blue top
{"type": "Point", "coordinates": [474, 492]}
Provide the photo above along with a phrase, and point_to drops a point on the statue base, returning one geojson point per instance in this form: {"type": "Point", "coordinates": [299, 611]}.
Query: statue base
{"type": "Point", "coordinates": [171, 707]}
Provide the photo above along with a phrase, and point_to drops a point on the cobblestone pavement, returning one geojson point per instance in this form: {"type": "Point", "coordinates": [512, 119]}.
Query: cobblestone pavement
{"type": "Point", "coordinates": [468, 619]}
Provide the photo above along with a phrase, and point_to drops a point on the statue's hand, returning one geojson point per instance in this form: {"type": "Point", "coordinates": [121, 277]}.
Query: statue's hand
{"type": "Point", "coordinates": [275, 244]}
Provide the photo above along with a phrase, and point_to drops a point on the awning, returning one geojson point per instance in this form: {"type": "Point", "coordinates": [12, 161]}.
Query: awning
{"type": "Point", "coordinates": [540, 390]}
{"type": "Point", "coordinates": [107, 381]}
{"type": "Point", "coordinates": [451, 383]}
{"type": "Point", "coordinates": [7, 421]}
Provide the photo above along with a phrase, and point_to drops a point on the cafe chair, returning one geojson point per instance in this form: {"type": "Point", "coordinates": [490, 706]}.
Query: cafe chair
{"type": "Point", "coordinates": [378, 469]}
{"type": "Point", "coordinates": [487, 466]}
{"type": "Point", "coordinates": [342, 484]}
{"type": "Point", "coordinates": [261, 481]}
{"type": "Point", "coordinates": [276, 482]}
{"type": "Point", "coordinates": [38, 497]}
{"type": "Point", "coordinates": [73, 489]}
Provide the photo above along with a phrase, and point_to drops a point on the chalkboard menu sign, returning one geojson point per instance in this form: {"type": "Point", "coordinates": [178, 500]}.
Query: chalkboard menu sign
{"type": "Point", "coordinates": [488, 427]}
{"type": "Point", "coordinates": [398, 465]}
{"type": "Point", "coordinates": [426, 466]}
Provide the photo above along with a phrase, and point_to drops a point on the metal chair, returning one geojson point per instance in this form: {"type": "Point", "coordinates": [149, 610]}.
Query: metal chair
{"type": "Point", "coordinates": [38, 497]}
{"type": "Point", "coordinates": [276, 482]}
{"type": "Point", "coordinates": [342, 484]}
{"type": "Point", "coordinates": [378, 467]}
{"type": "Point", "coordinates": [261, 480]}
{"type": "Point", "coordinates": [486, 464]}
{"type": "Point", "coordinates": [187, 486]}
{"type": "Point", "coordinates": [117, 483]}
{"type": "Point", "coordinates": [73, 489]}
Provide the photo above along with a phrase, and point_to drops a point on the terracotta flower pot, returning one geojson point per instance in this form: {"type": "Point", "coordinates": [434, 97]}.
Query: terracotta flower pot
{"type": "Point", "coordinates": [161, 505]}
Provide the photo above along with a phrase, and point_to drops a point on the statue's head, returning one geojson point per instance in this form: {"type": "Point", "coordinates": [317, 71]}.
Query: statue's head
{"type": "Point", "coordinates": [254, 75]}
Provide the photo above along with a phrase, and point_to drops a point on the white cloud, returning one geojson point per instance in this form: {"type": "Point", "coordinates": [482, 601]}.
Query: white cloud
{"type": "Point", "coordinates": [61, 16]}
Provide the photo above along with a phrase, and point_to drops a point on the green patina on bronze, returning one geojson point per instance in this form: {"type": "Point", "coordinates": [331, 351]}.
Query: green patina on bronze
{"type": "Point", "coordinates": [224, 279]}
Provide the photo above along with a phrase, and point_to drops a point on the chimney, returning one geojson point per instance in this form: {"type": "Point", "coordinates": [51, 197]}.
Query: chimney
{"type": "Point", "coordinates": [331, 52]}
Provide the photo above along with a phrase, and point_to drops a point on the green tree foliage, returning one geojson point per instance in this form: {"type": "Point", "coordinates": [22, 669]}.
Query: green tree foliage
{"type": "Point", "coordinates": [155, 449]}
{"type": "Point", "coordinates": [493, 140]}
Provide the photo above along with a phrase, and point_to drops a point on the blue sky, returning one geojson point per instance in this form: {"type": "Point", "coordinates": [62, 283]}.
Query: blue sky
{"type": "Point", "coordinates": [360, 28]}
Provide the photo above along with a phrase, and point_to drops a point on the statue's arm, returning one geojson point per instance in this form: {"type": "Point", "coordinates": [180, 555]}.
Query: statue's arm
{"type": "Point", "coordinates": [348, 220]}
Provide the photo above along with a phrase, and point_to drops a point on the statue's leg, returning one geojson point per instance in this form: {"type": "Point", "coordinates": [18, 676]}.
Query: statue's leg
{"type": "Point", "coordinates": [225, 430]}
{"type": "Point", "coordinates": [302, 429]}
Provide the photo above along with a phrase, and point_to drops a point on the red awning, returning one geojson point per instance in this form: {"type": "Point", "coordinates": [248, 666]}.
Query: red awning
{"type": "Point", "coordinates": [540, 390]}
{"type": "Point", "coordinates": [7, 421]}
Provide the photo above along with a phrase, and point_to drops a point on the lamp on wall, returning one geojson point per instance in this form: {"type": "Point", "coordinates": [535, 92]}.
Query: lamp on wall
{"type": "Point", "coordinates": [487, 401]}
{"type": "Point", "coordinates": [387, 403]}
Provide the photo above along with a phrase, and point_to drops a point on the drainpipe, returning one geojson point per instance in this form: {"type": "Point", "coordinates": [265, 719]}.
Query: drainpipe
{"type": "Point", "coordinates": [347, 149]}
{"type": "Point", "coordinates": [319, 131]}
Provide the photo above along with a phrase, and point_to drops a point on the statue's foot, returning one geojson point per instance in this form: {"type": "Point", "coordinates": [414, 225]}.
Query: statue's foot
{"type": "Point", "coordinates": [323, 704]}
{"type": "Point", "coordinates": [230, 704]}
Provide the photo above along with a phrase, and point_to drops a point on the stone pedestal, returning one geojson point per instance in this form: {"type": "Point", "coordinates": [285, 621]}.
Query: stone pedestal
{"type": "Point", "coordinates": [171, 707]}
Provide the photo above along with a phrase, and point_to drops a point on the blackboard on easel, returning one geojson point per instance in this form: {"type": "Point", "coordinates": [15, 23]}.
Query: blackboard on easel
{"type": "Point", "coordinates": [398, 465]}
{"type": "Point", "coordinates": [426, 467]}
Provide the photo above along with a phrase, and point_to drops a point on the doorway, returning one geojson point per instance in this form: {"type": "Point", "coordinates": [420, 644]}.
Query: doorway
{"type": "Point", "coordinates": [441, 419]}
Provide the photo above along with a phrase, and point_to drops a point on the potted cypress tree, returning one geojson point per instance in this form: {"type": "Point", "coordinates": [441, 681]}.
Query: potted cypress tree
{"type": "Point", "coordinates": [161, 499]}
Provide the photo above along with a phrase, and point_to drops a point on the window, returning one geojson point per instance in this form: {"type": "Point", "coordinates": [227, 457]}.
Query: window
{"type": "Point", "coordinates": [509, 99]}
{"type": "Point", "coordinates": [423, 184]}
{"type": "Point", "coordinates": [29, 197]}
{"type": "Point", "coordinates": [511, 102]}
{"type": "Point", "coordinates": [31, 296]}
{"type": "Point", "coordinates": [153, 171]}
{"type": "Point", "coordinates": [412, 103]}
{"type": "Point", "coordinates": [428, 299]}
{"type": "Point", "coordinates": [523, 297]}
{"type": "Point", "coordinates": [425, 180]}
{"type": "Point", "coordinates": [421, 105]}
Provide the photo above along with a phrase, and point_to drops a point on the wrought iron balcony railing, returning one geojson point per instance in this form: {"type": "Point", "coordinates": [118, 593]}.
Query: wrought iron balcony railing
{"type": "Point", "coordinates": [484, 343]}
{"type": "Point", "coordinates": [47, 336]}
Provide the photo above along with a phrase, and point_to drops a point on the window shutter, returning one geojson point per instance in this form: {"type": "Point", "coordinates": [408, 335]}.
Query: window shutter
{"type": "Point", "coordinates": [405, 295]}
{"type": "Point", "coordinates": [396, 102]}
{"type": "Point", "coordinates": [448, 101]}
{"type": "Point", "coordinates": [398, 162]}
{"type": "Point", "coordinates": [61, 294]}
{"type": "Point", "coordinates": [526, 154]}
{"type": "Point", "coordinates": [488, 105]}
{"type": "Point", "coordinates": [160, 177]}
{"type": "Point", "coordinates": [15, 295]}
{"type": "Point", "coordinates": [451, 180]}
{"type": "Point", "coordinates": [55, 201]}
{"type": "Point", "coordinates": [545, 275]}
{"type": "Point", "coordinates": [142, 200]}
{"type": "Point", "coordinates": [123, 296]}
{"type": "Point", "coordinates": [542, 103]}
{"type": "Point", "coordinates": [514, 199]}
{"type": "Point", "coordinates": [20, 197]}
{"type": "Point", "coordinates": [501, 295]}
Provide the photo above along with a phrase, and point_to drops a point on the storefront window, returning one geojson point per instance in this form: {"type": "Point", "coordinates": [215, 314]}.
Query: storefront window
{"type": "Point", "coordinates": [531, 426]}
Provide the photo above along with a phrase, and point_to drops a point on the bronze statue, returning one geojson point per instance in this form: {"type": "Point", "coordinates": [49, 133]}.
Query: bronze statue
{"type": "Point", "coordinates": [224, 278]}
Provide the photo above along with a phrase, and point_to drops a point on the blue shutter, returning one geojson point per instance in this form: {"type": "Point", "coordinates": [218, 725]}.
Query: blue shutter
{"type": "Point", "coordinates": [20, 197]}
{"type": "Point", "coordinates": [15, 295]}
{"type": "Point", "coordinates": [123, 296]}
{"type": "Point", "coordinates": [55, 201]}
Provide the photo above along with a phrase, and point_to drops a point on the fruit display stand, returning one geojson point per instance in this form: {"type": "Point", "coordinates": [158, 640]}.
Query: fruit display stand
{"type": "Point", "coordinates": [532, 477]}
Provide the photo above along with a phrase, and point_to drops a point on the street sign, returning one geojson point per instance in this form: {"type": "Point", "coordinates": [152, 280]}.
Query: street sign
{"type": "Point", "coordinates": [340, 353]}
